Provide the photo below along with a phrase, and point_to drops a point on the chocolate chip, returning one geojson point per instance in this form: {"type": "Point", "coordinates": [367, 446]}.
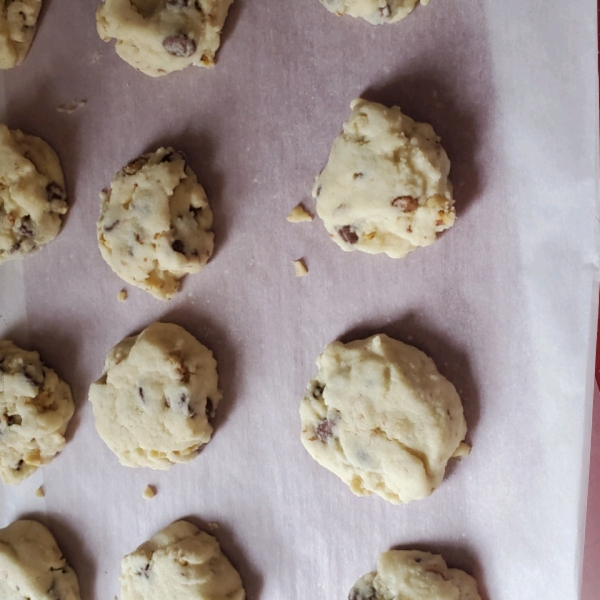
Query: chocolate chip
{"type": "Point", "coordinates": [195, 211]}
{"type": "Point", "coordinates": [324, 430]}
{"type": "Point", "coordinates": [177, 3]}
{"type": "Point", "coordinates": [178, 246]}
{"type": "Point", "coordinates": [209, 408]}
{"type": "Point", "coordinates": [144, 571]}
{"type": "Point", "coordinates": [19, 465]}
{"type": "Point", "coordinates": [54, 192]}
{"type": "Point", "coordinates": [418, 560]}
{"type": "Point", "coordinates": [15, 247]}
{"type": "Point", "coordinates": [319, 190]}
{"type": "Point", "coordinates": [317, 391]}
{"type": "Point", "coordinates": [167, 402]}
{"type": "Point", "coordinates": [405, 203]}
{"type": "Point", "coordinates": [173, 156]}
{"type": "Point", "coordinates": [135, 165]}
{"type": "Point", "coordinates": [111, 227]}
{"type": "Point", "coordinates": [14, 420]}
{"type": "Point", "coordinates": [198, 6]}
{"type": "Point", "coordinates": [385, 11]}
{"type": "Point", "coordinates": [357, 176]}
{"type": "Point", "coordinates": [141, 393]}
{"type": "Point", "coordinates": [32, 380]}
{"type": "Point", "coordinates": [179, 45]}
{"type": "Point", "coordinates": [348, 234]}
{"type": "Point", "coordinates": [25, 229]}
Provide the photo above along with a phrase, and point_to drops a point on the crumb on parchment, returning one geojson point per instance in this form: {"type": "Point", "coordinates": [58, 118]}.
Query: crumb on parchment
{"type": "Point", "coordinates": [40, 492]}
{"type": "Point", "coordinates": [122, 296]}
{"type": "Point", "coordinates": [70, 107]}
{"type": "Point", "coordinates": [463, 450]}
{"type": "Point", "coordinates": [300, 267]}
{"type": "Point", "coordinates": [299, 214]}
{"type": "Point", "coordinates": [149, 492]}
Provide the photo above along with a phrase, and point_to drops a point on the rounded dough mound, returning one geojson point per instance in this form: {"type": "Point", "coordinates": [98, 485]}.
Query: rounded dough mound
{"type": "Point", "coordinates": [32, 193]}
{"type": "Point", "coordinates": [385, 187]}
{"type": "Point", "coordinates": [35, 409]}
{"type": "Point", "coordinates": [376, 12]}
{"type": "Point", "coordinates": [18, 24]}
{"type": "Point", "coordinates": [179, 562]}
{"type": "Point", "coordinates": [155, 399]}
{"type": "Point", "coordinates": [154, 225]}
{"type": "Point", "coordinates": [403, 574]}
{"type": "Point", "coordinates": [32, 566]}
{"type": "Point", "coordinates": [158, 37]}
{"type": "Point", "coordinates": [381, 417]}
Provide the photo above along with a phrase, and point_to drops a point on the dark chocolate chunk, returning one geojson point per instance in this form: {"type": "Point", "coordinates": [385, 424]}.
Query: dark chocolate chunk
{"type": "Point", "coordinates": [405, 203]}
{"type": "Point", "coordinates": [348, 234]}
{"type": "Point", "coordinates": [178, 246]}
{"type": "Point", "coordinates": [54, 192]}
{"type": "Point", "coordinates": [179, 45]}
{"type": "Point", "coordinates": [324, 430]}
{"type": "Point", "coordinates": [141, 393]}
{"type": "Point", "coordinates": [112, 226]}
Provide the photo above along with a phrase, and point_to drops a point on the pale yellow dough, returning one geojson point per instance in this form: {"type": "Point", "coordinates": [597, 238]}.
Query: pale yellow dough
{"type": "Point", "coordinates": [414, 575]}
{"type": "Point", "coordinates": [385, 187]}
{"type": "Point", "coordinates": [35, 409]}
{"type": "Point", "coordinates": [381, 417]}
{"type": "Point", "coordinates": [376, 12]}
{"type": "Point", "coordinates": [158, 37]}
{"type": "Point", "coordinates": [32, 194]}
{"type": "Point", "coordinates": [155, 223]}
{"type": "Point", "coordinates": [18, 24]}
{"type": "Point", "coordinates": [182, 562]}
{"type": "Point", "coordinates": [155, 400]}
{"type": "Point", "coordinates": [32, 566]}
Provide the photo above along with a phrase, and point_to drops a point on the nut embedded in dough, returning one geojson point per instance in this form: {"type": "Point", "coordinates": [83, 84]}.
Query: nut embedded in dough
{"type": "Point", "coordinates": [385, 187]}
{"type": "Point", "coordinates": [376, 12]}
{"type": "Point", "coordinates": [18, 24]}
{"type": "Point", "coordinates": [382, 418]}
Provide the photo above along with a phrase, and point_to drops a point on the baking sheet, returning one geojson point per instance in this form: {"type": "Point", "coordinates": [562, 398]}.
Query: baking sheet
{"type": "Point", "coordinates": [504, 302]}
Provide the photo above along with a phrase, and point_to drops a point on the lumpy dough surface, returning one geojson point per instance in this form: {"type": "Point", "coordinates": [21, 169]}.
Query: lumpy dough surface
{"type": "Point", "coordinates": [155, 400]}
{"type": "Point", "coordinates": [376, 12]}
{"type": "Point", "coordinates": [18, 24]}
{"type": "Point", "coordinates": [32, 566]}
{"type": "Point", "coordinates": [381, 417]}
{"type": "Point", "coordinates": [32, 194]}
{"type": "Point", "coordinates": [155, 223]}
{"type": "Point", "coordinates": [414, 575]}
{"type": "Point", "coordinates": [183, 562]}
{"type": "Point", "coordinates": [385, 187]}
{"type": "Point", "coordinates": [35, 409]}
{"type": "Point", "coordinates": [158, 37]}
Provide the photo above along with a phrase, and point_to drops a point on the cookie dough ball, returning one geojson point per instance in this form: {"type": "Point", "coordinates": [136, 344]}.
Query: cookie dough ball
{"type": "Point", "coordinates": [403, 574]}
{"type": "Point", "coordinates": [32, 193]}
{"type": "Point", "coordinates": [154, 225]}
{"type": "Point", "coordinates": [376, 12]}
{"type": "Point", "coordinates": [18, 24]}
{"type": "Point", "coordinates": [381, 417]}
{"type": "Point", "coordinates": [385, 187]}
{"type": "Point", "coordinates": [32, 566]}
{"type": "Point", "coordinates": [156, 397]}
{"type": "Point", "coordinates": [180, 561]}
{"type": "Point", "coordinates": [35, 409]}
{"type": "Point", "coordinates": [158, 37]}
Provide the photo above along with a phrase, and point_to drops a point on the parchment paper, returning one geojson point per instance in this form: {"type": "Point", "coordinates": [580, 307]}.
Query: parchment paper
{"type": "Point", "coordinates": [504, 302]}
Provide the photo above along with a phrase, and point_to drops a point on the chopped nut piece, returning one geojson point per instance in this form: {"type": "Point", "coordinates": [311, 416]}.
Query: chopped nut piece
{"type": "Point", "coordinates": [40, 492]}
{"type": "Point", "coordinates": [463, 450]}
{"type": "Point", "coordinates": [71, 107]}
{"type": "Point", "coordinates": [299, 214]}
{"type": "Point", "coordinates": [122, 296]}
{"type": "Point", "coordinates": [300, 267]}
{"type": "Point", "coordinates": [149, 492]}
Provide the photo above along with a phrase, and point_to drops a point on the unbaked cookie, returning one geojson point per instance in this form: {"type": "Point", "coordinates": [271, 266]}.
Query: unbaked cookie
{"type": "Point", "coordinates": [376, 12]}
{"type": "Point", "coordinates": [154, 225]}
{"type": "Point", "coordinates": [381, 417]}
{"type": "Point", "coordinates": [155, 400]}
{"type": "Point", "coordinates": [403, 574]}
{"type": "Point", "coordinates": [158, 37]}
{"type": "Point", "coordinates": [385, 187]}
{"type": "Point", "coordinates": [180, 561]}
{"type": "Point", "coordinates": [32, 193]}
{"type": "Point", "coordinates": [18, 24]}
{"type": "Point", "coordinates": [32, 566]}
{"type": "Point", "coordinates": [35, 409]}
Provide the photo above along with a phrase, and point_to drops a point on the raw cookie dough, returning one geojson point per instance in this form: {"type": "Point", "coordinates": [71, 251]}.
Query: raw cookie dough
{"type": "Point", "coordinates": [156, 397]}
{"type": "Point", "coordinates": [414, 575]}
{"type": "Point", "coordinates": [376, 12]}
{"type": "Point", "coordinates": [18, 24]}
{"type": "Point", "coordinates": [385, 187]}
{"type": "Point", "coordinates": [381, 417]}
{"type": "Point", "coordinates": [181, 561]}
{"type": "Point", "coordinates": [158, 37]}
{"type": "Point", "coordinates": [35, 409]}
{"type": "Point", "coordinates": [154, 225]}
{"type": "Point", "coordinates": [32, 566]}
{"type": "Point", "coordinates": [32, 193]}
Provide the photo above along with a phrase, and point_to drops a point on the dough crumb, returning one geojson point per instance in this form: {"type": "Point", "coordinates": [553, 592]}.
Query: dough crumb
{"type": "Point", "coordinates": [299, 214]}
{"type": "Point", "coordinates": [149, 492]}
{"type": "Point", "coordinates": [122, 296]}
{"type": "Point", "coordinates": [463, 450]}
{"type": "Point", "coordinates": [213, 525]}
{"type": "Point", "coordinates": [40, 492]}
{"type": "Point", "coordinates": [300, 267]}
{"type": "Point", "coordinates": [71, 107]}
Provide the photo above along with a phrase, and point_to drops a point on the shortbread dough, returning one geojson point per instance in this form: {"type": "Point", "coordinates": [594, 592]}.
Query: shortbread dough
{"type": "Point", "coordinates": [414, 575]}
{"type": "Point", "coordinates": [376, 12]}
{"type": "Point", "coordinates": [35, 409]}
{"type": "Point", "coordinates": [154, 225]}
{"type": "Point", "coordinates": [32, 193]}
{"type": "Point", "coordinates": [381, 417]}
{"type": "Point", "coordinates": [385, 187]}
{"type": "Point", "coordinates": [155, 400]}
{"type": "Point", "coordinates": [181, 561]}
{"type": "Point", "coordinates": [18, 24]}
{"type": "Point", "coordinates": [32, 566]}
{"type": "Point", "coordinates": [158, 37]}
